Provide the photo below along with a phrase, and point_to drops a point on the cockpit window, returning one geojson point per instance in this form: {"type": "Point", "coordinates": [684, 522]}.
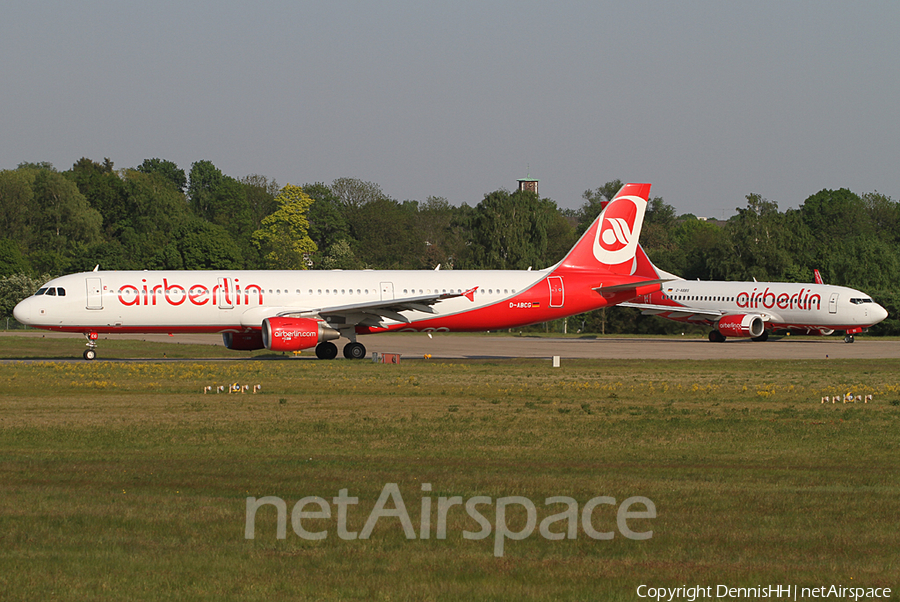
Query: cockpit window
{"type": "Point", "coordinates": [51, 291]}
{"type": "Point", "coordinates": [60, 291]}
{"type": "Point", "coordinates": [860, 301]}
{"type": "Point", "coordinates": [40, 292]}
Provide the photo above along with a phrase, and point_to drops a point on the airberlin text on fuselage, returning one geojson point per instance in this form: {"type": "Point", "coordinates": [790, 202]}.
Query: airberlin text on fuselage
{"type": "Point", "coordinates": [198, 294]}
{"type": "Point", "coordinates": [768, 300]}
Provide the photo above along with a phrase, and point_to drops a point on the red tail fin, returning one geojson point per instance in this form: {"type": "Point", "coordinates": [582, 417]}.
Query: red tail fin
{"type": "Point", "coordinates": [610, 244]}
{"type": "Point", "coordinates": [644, 267]}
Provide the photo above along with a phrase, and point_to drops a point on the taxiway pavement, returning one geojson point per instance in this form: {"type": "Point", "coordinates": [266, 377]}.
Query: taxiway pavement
{"type": "Point", "coordinates": [485, 346]}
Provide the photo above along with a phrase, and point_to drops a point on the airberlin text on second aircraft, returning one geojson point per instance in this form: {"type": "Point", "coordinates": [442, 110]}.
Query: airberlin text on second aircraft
{"type": "Point", "coordinates": [768, 299]}
{"type": "Point", "coordinates": [198, 294]}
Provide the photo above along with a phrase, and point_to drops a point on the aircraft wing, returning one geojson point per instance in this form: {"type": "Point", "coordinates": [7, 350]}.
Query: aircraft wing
{"type": "Point", "coordinates": [372, 313]}
{"type": "Point", "coordinates": [677, 313]}
{"type": "Point", "coordinates": [640, 286]}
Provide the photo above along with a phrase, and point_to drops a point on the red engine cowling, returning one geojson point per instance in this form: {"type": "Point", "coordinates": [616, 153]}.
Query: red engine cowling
{"type": "Point", "coordinates": [293, 334]}
{"type": "Point", "coordinates": [741, 325]}
{"type": "Point", "coordinates": [243, 341]}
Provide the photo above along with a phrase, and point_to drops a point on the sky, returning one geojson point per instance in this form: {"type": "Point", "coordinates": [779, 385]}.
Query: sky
{"type": "Point", "coordinates": [709, 101]}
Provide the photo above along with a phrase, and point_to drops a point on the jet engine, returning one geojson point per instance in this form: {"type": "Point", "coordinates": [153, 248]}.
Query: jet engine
{"type": "Point", "coordinates": [741, 325]}
{"type": "Point", "coordinates": [243, 341]}
{"type": "Point", "coordinates": [293, 334]}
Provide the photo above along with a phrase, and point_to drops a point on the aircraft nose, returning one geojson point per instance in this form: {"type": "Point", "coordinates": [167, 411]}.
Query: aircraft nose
{"type": "Point", "coordinates": [22, 311]}
{"type": "Point", "coordinates": [879, 313]}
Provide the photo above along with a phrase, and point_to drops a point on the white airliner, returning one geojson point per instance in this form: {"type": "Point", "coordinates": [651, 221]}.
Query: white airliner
{"type": "Point", "coordinates": [753, 309]}
{"type": "Point", "coordinates": [294, 310]}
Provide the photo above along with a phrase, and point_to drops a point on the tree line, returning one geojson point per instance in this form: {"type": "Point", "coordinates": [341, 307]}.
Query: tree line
{"type": "Point", "coordinates": [157, 216]}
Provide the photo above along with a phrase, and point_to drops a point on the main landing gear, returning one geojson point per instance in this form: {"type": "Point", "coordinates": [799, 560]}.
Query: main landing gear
{"type": "Point", "coordinates": [326, 350]}
{"type": "Point", "coordinates": [716, 337]}
{"type": "Point", "coordinates": [91, 352]}
{"type": "Point", "coordinates": [352, 351]}
{"type": "Point", "coordinates": [848, 338]}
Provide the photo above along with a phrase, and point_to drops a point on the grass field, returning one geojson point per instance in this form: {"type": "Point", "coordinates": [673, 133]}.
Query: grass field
{"type": "Point", "coordinates": [122, 480]}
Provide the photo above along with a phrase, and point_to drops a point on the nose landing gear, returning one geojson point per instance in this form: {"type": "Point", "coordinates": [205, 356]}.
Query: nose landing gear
{"type": "Point", "coordinates": [91, 352]}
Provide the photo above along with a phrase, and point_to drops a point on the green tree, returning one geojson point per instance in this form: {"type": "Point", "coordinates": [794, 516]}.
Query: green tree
{"type": "Point", "coordinates": [199, 245]}
{"type": "Point", "coordinates": [260, 193]}
{"type": "Point", "coordinates": [283, 241]}
{"type": "Point", "coordinates": [11, 259]}
{"type": "Point", "coordinates": [759, 243]}
{"type": "Point", "coordinates": [224, 201]}
{"type": "Point", "coordinates": [103, 189]}
{"type": "Point", "coordinates": [441, 238]}
{"type": "Point", "coordinates": [341, 257]}
{"type": "Point", "coordinates": [64, 222]}
{"type": "Point", "coordinates": [352, 193]}
{"type": "Point", "coordinates": [17, 205]}
{"type": "Point", "coordinates": [385, 234]}
{"type": "Point", "coordinates": [16, 287]}
{"type": "Point", "coordinates": [154, 210]}
{"type": "Point", "coordinates": [167, 170]}
{"type": "Point", "coordinates": [510, 230]}
{"type": "Point", "coordinates": [327, 224]}
{"type": "Point", "coordinates": [836, 214]}
{"type": "Point", "coordinates": [884, 214]}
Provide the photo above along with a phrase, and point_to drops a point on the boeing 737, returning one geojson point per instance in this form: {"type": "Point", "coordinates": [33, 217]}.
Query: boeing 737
{"type": "Point", "coordinates": [294, 310]}
{"type": "Point", "coordinates": [753, 309]}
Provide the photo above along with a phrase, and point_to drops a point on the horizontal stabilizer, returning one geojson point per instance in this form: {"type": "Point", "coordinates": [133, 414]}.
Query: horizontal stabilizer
{"type": "Point", "coordinates": [649, 285]}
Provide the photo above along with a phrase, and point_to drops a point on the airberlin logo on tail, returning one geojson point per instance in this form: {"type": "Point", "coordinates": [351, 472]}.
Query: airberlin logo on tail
{"type": "Point", "coordinates": [617, 235]}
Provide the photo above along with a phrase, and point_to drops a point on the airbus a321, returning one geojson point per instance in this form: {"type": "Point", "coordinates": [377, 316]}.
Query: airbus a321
{"type": "Point", "coordinates": [754, 309]}
{"type": "Point", "coordinates": [294, 310]}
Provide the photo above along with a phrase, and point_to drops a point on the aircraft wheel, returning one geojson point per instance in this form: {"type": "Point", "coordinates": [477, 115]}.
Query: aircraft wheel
{"type": "Point", "coordinates": [763, 337]}
{"type": "Point", "coordinates": [849, 338]}
{"type": "Point", "coordinates": [354, 351]}
{"type": "Point", "coordinates": [89, 354]}
{"type": "Point", "coordinates": [716, 337]}
{"type": "Point", "coordinates": [326, 350]}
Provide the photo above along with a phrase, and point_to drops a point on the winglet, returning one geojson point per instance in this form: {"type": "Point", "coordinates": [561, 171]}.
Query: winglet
{"type": "Point", "coordinates": [470, 294]}
{"type": "Point", "coordinates": [818, 277]}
